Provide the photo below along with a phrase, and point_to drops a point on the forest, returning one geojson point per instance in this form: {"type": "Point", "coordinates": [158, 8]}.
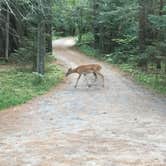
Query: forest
{"type": "Point", "coordinates": [130, 34]}
{"type": "Point", "coordinates": [82, 82]}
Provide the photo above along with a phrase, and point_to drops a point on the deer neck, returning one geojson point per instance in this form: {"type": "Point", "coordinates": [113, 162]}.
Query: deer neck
{"type": "Point", "coordinates": [74, 71]}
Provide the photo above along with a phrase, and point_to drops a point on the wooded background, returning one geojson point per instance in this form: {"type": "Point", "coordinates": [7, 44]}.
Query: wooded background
{"type": "Point", "coordinates": [132, 31]}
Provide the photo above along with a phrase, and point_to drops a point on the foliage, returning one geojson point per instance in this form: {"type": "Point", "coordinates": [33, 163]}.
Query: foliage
{"type": "Point", "coordinates": [87, 38]}
{"type": "Point", "coordinates": [29, 30]}
{"type": "Point", "coordinates": [24, 54]}
{"type": "Point", "coordinates": [121, 32]}
{"type": "Point", "coordinates": [158, 22]}
{"type": "Point", "coordinates": [16, 87]}
{"type": "Point", "coordinates": [89, 51]}
{"type": "Point", "coordinates": [152, 80]}
{"type": "Point", "coordinates": [117, 57]}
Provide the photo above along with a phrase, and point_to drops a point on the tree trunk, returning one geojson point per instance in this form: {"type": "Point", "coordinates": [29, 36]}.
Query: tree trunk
{"type": "Point", "coordinates": [41, 48]}
{"type": "Point", "coordinates": [49, 38]}
{"type": "Point", "coordinates": [80, 26]}
{"type": "Point", "coordinates": [49, 28]}
{"type": "Point", "coordinates": [7, 34]}
{"type": "Point", "coordinates": [96, 29]}
{"type": "Point", "coordinates": [35, 51]}
{"type": "Point", "coordinates": [1, 35]}
{"type": "Point", "coordinates": [161, 7]}
{"type": "Point", "coordinates": [142, 25]}
{"type": "Point", "coordinates": [160, 34]}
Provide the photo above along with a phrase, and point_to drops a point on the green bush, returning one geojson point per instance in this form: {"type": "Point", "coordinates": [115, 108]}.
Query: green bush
{"type": "Point", "coordinates": [89, 50]}
{"type": "Point", "coordinates": [116, 57]}
{"type": "Point", "coordinates": [87, 38]}
{"type": "Point", "coordinates": [38, 78]}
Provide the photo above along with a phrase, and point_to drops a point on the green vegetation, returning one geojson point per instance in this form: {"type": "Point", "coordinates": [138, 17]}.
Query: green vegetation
{"type": "Point", "coordinates": [18, 86]}
{"type": "Point", "coordinates": [25, 43]}
{"type": "Point", "coordinates": [90, 51]}
{"type": "Point", "coordinates": [150, 79]}
{"type": "Point", "coordinates": [130, 34]}
{"type": "Point", "coordinates": [26, 31]}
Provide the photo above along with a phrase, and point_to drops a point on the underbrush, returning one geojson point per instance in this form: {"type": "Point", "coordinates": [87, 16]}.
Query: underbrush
{"type": "Point", "coordinates": [90, 51]}
{"type": "Point", "coordinates": [156, 81]}
{"type": "Point", "coordinates": [20, 85]}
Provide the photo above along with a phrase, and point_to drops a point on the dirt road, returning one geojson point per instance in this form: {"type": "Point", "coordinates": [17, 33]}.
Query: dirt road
{"type": "Point", "coordinates": [119, 125]}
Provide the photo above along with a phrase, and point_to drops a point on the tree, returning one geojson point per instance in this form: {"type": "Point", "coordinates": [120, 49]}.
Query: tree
{"type": "Point", "coordinates": [142, 25]}
{"type": "Point", "coordinates": [27, 19]}
{"type": "Point", "coordinates": [7, 34]}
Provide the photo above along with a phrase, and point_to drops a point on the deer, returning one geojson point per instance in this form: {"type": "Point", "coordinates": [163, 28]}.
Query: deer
{"type": "Point", "coordinates": [85, 69]}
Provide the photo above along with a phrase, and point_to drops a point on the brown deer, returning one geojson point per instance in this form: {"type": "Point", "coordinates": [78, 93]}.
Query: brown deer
{"type": "Point", "coordinates": [85, 69]}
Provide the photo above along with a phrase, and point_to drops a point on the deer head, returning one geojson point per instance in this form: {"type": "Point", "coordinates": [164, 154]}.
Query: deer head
{"type": "Point", "coordinates": [69, 71]}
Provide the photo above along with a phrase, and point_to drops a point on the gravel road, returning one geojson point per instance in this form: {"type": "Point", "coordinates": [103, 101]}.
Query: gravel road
{"type": "Point", "coordinates": [122, 124]}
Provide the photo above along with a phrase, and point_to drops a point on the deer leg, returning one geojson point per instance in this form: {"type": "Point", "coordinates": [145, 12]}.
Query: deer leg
{"type": "Point", "coordinates": [95, 75]}
{"type": "Point", "coordinates": [101, 76]}
{"type": "Point", "coordinates": [87, 81]}
{"type": "Point", "coordinates": [77, 81]}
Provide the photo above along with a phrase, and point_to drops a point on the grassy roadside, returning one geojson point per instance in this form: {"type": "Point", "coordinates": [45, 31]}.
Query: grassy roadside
{"type": "Point", "coordinates": [18, 86]}
{"type": "Point", "coordinates": [150, 80]}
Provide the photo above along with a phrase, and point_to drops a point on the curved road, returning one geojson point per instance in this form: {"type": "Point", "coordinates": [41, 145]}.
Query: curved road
{"type": "Point", "coordinates": [119, 125]}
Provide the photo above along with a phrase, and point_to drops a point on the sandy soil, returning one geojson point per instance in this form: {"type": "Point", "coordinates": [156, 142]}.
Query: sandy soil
{"type": "Point", "coordinates": [121, 124]}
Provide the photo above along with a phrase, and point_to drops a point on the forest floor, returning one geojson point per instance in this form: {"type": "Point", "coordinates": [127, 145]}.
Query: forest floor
{"type": "Point", "coordinates": [122, 124]}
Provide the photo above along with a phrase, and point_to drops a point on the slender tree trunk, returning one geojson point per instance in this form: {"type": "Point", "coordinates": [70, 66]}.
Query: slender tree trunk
{"type": "Point", "coordinates": [161, 7]}
{"type": "Point", "coordinates": [7, 34]}
{"type": "Point", "coordinates": [80, 25]}
{"type": "Point", "coordinates": [161, 34]}
{"type": "Point", "coordinates": [49, 28]}
{"type": "Point", "coordinates": [142, 25]}
{"type": "Point", "coordinates": [96, 28]}
{"type": "Point", "coordinates": [41, 48]}
{"type": "Point", "coordinates": [1, 35]}
{"type": "Point", "coordinates": [35, 51]}
{"type": "Point", "coordinates": [49, 37]}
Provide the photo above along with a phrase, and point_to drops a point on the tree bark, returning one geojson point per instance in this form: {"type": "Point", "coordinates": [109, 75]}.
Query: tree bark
{"type": "Point", "coordinates": [7, 35]}
{"type": "Point", "coordinates": [161, 7]}
{"type": "Point", "coordinates": [49, 28]}
{"type": "Point", "coordinates": [80, 26]}
{"type": "Point", "coordinates": [1, 35]}
{"type": "Point", "coordinates": [49, 37]}
{"type": "Point", "coordinates": [142, 25]}
{"type": "Point", "coordinates": [41, 48]}
{"type": "Point", "coordinates": [96, 29]}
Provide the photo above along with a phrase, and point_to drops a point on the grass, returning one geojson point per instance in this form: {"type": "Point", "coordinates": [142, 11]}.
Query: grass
{"type": "Point", "coordinates": [18, 86]}
{"type": "Point", "coordinates": [151, 80]}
